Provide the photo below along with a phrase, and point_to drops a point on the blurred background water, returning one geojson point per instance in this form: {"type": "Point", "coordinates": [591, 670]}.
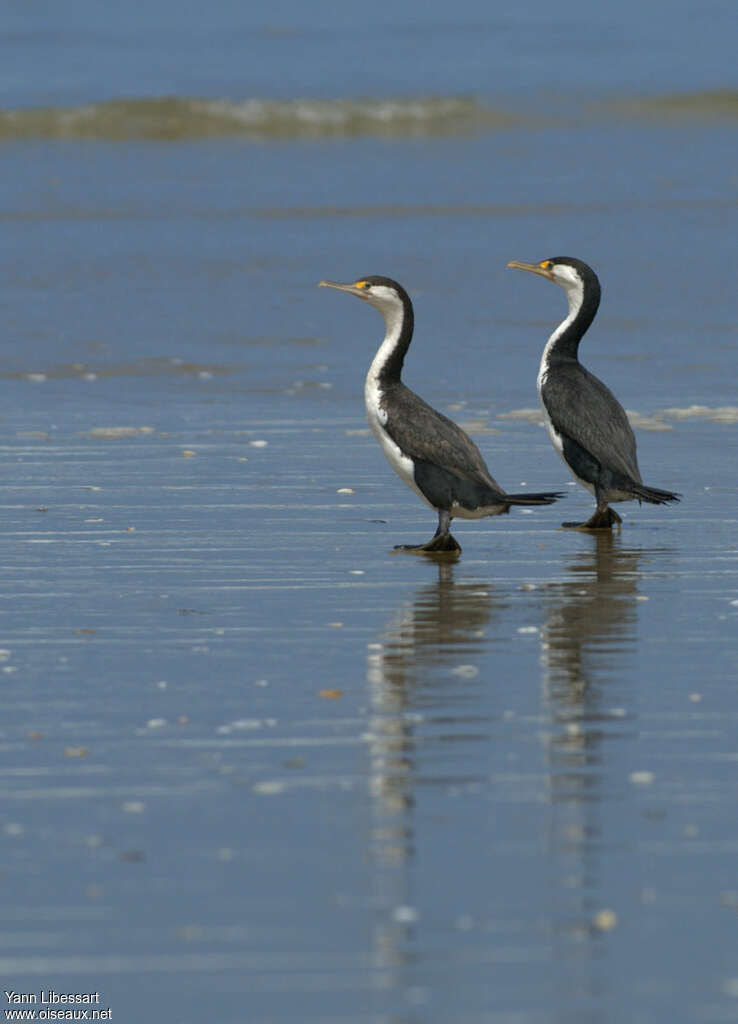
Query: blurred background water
{"type": "Point", "coordinates": [255, 767]}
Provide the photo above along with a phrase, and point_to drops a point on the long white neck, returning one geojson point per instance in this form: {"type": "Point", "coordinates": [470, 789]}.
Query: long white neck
{"type": "Point", "coordinates": [394, 321]}
{"type": "Point", "coordinates": [575, 297]}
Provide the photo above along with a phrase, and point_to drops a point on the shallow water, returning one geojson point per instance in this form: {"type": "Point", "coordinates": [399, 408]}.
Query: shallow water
{"type": "Point", "coordinates": [274, 762]}
{"type": "Point", "coordinates": [256, 765]}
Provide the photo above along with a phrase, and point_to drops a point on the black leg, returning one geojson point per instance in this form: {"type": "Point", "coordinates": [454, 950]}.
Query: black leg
{"type": "Point", "coordinates": [441, 542]}
{"type": "Point", "coordinates": [604, 517]}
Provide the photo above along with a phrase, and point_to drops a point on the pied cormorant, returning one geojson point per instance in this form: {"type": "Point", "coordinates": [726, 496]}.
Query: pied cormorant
{"type": "Point", "coordinates": [587, 425]}
{"type": "Point", "coordinates": [434, 456]}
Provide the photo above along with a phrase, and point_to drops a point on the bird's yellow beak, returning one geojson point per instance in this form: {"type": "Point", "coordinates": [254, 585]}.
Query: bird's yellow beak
{"type": "Point", "coordinates": [544, 268]}
{"type": "Point", "coordinates": [352, 289]}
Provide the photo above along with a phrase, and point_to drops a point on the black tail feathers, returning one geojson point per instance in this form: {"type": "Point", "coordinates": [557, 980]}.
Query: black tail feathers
{"type": "Point", "coordinates": [542, 498]}
{"type": "Point", "coordinates": [653, 495]}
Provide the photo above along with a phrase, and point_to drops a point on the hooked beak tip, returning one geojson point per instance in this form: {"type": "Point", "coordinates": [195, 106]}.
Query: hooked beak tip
{"type": "Point", "coordinates": [533, 268]}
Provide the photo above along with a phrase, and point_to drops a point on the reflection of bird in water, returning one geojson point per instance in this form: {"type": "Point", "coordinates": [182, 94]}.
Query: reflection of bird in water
{"type": "Point", "coordinates": [587, 425]}
{"type": "Point", "coordinates": [590, 628]}
{"type": "Point", "coordinates": [590, 624]}
{"type": "Point", "coordinates": [444, 620]}
{"type": "Point", "coordinates": [428, 632]}
{"type": "Point", "coordinates": [433, 455]}
{"type": "Point", "coordinates": [590, 619]}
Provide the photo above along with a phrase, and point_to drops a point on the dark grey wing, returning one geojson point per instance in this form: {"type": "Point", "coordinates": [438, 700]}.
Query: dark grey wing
{"type": "Point", "coordinates": [428, 436]}
{"type": "Point", "coordinates": [584, 410]}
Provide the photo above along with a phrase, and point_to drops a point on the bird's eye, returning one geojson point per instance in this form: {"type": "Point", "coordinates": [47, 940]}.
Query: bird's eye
{"type": "Point", "coordinates": [366, 285]}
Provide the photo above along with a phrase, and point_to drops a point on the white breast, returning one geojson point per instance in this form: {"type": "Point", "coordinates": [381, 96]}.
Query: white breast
{"type": "Point", "coordinates": [543, 371]}
{"type": "Point", "coordinates": [377, 419]}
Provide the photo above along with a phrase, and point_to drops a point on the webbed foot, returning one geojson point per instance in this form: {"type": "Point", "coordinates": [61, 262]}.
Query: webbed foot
{"type": "Point", "coordinates": [603, 519]}
{"type": "Point", "coordinates": [441, 544]}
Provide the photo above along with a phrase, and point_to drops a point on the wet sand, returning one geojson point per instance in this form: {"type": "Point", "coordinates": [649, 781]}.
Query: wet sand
{"type": "Point", "coordinates": [221, 684]}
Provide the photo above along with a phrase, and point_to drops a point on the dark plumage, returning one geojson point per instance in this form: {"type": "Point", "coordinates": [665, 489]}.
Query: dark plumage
{"type": "Point", "coordinates": [429, 451]}
{"type": "Point", "coordinates": [586, 423]}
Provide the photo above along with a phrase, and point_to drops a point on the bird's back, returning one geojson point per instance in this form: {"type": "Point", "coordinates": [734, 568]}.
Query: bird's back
{"type": "Point", "coordinates": [427, 435]}
{"type": "Point", "coordinates": [584, 409]}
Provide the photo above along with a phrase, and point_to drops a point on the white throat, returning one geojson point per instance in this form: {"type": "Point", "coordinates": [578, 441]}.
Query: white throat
{"type": "Point", "coordinates": [575, 296]}
{"type": "Point", "coordinates": [393, 317]}
{"type": "Point", "coordinates": [376, 412]}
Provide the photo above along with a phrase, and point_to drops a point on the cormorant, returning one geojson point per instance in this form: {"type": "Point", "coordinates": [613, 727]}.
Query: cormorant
{"type": "Point", "coordinates": [434, 456]}
{"type": "Point", "coordinates": [587, 425]}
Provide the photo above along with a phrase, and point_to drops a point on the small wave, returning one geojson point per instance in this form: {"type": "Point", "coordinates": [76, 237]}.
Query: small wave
{"type": "Point", "coordinates": [173, 118]}
{"type": "Point", "coordinates": [717, 414]}
{"type": "Point", "coordinates": [151, 367]}
{"type": "Point", "coordinates": [710, 104]}
{"type": "Point", "coordinates": [644, 421]}
{"type": "Point", "coordinates": [526, 415]}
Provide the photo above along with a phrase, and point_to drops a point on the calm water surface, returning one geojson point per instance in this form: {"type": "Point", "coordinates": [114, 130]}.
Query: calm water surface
{"type": "Point", "coordinates": [255, 766]}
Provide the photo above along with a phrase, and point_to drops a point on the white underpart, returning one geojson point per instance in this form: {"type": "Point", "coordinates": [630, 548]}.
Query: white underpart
{"type": "Point", "coordinates": [459, 512]}
{"type": "Point", "coordinates": [571, 282]}
{"type": "Point", "coordinates": [390, 306]}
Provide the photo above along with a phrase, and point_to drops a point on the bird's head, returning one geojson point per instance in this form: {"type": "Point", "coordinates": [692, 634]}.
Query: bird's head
{"type": "Point", "coordinates": [386, 295]}
{"type": "Point", "coordinates": [574, 276]}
